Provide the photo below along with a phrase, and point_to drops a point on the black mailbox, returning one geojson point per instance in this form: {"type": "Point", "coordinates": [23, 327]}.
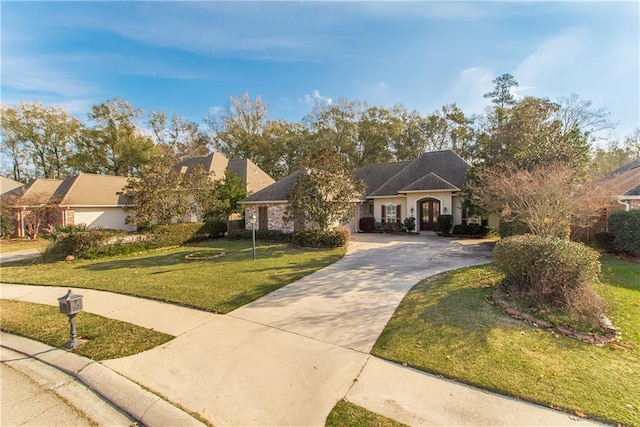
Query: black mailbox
{"type": "Point", "coordinates": [70, 304]}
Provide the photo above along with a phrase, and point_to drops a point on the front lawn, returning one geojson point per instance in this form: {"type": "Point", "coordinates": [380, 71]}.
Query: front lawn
{"type": "Point", "coordinates": [218, 285]}
{"type": "Point", "coordinates": [14, 245]}
{"type": "Point", "coordinates": [347, 414]}
{"type": "Point", "coordinates": [106, 338]}
{"type": "Point", "coordinates": [445, 325]}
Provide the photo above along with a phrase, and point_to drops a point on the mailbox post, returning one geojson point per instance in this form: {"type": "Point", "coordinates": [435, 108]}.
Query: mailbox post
{"type": "Point", "coordinates": [71, 305]}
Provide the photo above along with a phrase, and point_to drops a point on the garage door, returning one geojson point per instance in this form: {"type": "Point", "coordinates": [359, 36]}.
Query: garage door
{"type": "Point", "coordinates": [102, 218]}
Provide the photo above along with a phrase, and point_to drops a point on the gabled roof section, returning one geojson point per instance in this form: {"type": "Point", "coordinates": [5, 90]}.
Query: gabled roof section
{"type": "Point", "coordinates": [88, 189]}
{"type": "Point", "coordinates": [627, 178]}
{"type": "Point", "coordinates": [432, 182]}
{"type": "Point", "coordinates": [447, 165]}
{"type": "Point", "coordinates": [214, 163]}
{"type": "Point", "coordinates": [40, 190]}
{"type": "Point", "coordinates": [7, 184]}
{"type": "Point", "coordinates": [278, 191]}
{"type": "Point", "coordinates": [376, 174]}
{"type": "Point", "coordinates": [253, 177]}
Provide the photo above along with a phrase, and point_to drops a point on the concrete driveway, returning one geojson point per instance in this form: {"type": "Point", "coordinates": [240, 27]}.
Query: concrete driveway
{"type": "Point", "coordinates": [287, 358]}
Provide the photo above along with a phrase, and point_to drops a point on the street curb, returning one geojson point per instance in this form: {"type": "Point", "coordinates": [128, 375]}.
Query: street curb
{"type": "Point", "coordinates": [144, 406]}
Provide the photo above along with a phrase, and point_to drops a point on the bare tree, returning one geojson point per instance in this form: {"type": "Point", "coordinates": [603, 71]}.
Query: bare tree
{"type": "Point", "coordinates": [547, 199]}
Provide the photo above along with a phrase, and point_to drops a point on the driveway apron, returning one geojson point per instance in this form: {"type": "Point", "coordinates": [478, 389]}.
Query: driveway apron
{"type": "Point", "coordinates": [287, 358]}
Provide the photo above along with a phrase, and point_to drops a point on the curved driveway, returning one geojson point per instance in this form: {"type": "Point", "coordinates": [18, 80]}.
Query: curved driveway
{"type": "Point", "coordinates": [287, 358]}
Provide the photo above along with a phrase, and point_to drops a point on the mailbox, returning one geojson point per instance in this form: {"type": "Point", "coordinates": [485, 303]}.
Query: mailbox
{"type": "Point", "coordinates": [70, 304]}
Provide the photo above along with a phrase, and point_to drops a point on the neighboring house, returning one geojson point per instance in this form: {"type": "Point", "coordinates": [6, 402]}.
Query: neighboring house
{"type": "Point", "coordinates": [215, 163]}
{"type": "Point", "coordinates": [7, 185]}
{"type": "Point", "coordinates": [628, 179]}
{"type": "Point", "coordinates": [423, 188]}
{"type": "Point", "coordinates": [88, 199]}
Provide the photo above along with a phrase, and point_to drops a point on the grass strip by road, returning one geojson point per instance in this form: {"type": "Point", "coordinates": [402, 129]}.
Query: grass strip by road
{"type": "Point", "coordinates": [217, 285]}
{"type": "Point", "coordinates": [445, 326]}
{"type": "Point", "coordinates": [347, 414]}
{"type": "Point", "coordinates": [106, 338]}
{"type": "Point", "coordinates": [14, 245]}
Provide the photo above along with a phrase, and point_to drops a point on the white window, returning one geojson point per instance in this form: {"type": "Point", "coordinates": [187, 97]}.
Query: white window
{"type": "Point", "coordinates": [391, 213]}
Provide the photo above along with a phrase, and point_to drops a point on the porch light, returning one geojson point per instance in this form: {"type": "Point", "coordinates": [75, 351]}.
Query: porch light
{"type": "Point", "coordinates": [444, 209]}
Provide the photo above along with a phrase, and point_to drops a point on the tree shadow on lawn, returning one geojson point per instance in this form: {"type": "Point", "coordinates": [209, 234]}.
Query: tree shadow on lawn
{"type": "Point", "coordinates": [178, 258]}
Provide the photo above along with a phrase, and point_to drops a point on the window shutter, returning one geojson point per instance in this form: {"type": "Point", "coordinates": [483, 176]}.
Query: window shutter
{"type": "Point", "coordinates": [398, 214]}
{"type": "Point", "coordinates": [384, 213]}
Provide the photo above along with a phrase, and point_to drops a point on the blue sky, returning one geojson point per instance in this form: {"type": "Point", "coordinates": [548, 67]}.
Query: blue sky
{"type": "Point", "coordinates": [190, 57]}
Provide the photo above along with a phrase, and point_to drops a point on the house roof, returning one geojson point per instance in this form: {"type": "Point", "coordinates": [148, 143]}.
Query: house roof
{"type": "Point", "coordinates": [7, 185]}
{"type": "Point", "coordinates": [278, 191]}
{"type": "Point", "coordinates": [627, 179]}
{"type": "Point", "coordinates": [376, 174]}
{"type": "Point", "coordinates": [37, 191]}
{"type": "Point", "coordinates": [87, 189]}
{"type": "Point", "coordinates": [253, 177]}
{"type": "Point", "coordinates": [430, 181]}
{"type": "Point", "coordinates": [84, 189]}
{"type": "Point", "coordinates": [443, 166]}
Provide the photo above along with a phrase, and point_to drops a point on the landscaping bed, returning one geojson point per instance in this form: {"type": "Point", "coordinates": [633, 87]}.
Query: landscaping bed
{"type": "Point", "coordinates": [446, 326]}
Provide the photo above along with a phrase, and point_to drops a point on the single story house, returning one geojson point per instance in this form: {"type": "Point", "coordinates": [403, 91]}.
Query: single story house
{"type": "Point", "coordinates": [424, 188]}
{"type": "Point", "coordinates": [88, 199]}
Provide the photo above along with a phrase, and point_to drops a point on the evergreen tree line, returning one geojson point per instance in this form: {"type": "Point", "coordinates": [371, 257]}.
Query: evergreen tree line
{"type": "Point", "coordinates": [40, 141]}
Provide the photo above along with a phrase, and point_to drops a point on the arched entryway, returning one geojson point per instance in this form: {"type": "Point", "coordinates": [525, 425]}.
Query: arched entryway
{"type": "Point", "coordinates": [429, 211]}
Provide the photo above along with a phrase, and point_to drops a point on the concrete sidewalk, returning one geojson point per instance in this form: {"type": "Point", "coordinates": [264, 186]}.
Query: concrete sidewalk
{"type": "Point", "coordinates": [287, 358]}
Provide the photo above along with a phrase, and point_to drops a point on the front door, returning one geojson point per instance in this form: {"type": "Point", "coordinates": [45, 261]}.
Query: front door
{"type": "Point", "coordinates": [429, 213]}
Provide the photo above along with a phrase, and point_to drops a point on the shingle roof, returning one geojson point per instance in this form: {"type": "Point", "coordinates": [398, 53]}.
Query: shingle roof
{"type": "Point", "coordinates": [87, 189]}
{"type": "Point", "coordinates": [7, 185]}
{"type": "Point", "coordinates": [447, 165]}
{"type": "Point", "coordinates": [40, 190]}
{"type": "Point", "coordinates": [627, 178]}
{"type": "Point", "coordinates": [376, 174]}
{"type": "Point", "coordinates": [278, 191]}
{"type": "Point", "coordinates": [430, 181]}
{"type": "Point", "coordinates": [252, 176]}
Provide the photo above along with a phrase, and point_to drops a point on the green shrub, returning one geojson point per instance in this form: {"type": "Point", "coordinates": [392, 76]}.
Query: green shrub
{"type": "Point", "coordinates": [367, 224]}
{"type": "Point", "coordinates": [547, 271]}
{"type": "Point", "coordinates": [77, 241]}
{"type": "Point", "coordinates": [470, 230]}
{"type": "Point", "coordinates": [336, 238]}
{"type": "Point", "coordinates": [512, 228]}
{"type": "Point", "coordinates": [445, 222]}
{"type": "Point", "coordinates": [625, 227]}
{"type": "Point", "coordinates": [604, 241]}
{"type": "Point", "coordinates": [160, 236]}
{"type": "Point", "coordinates": [275, 236]}
{"type": "Point", "coordinates": [214, 228]}
{"type": "Point", "coordinates": [388, 226]}
{"type": "Point", "coordinates": [409, 223]}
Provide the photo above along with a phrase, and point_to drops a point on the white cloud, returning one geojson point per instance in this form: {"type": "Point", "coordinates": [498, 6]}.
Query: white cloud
{"type": "Point", "coordinates": [316, 99]}
{"type": "Point", "coordinates": [468, 89]}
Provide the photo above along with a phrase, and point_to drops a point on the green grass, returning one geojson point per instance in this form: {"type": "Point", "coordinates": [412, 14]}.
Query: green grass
{"type": "Point", "coordinates": [107, 338]}
{"type": "Point", "coordinates": [444, 325]}
{"type": "Point", "coordinates": [14, 245]}
{"type": "Point", "coordinates": [217, 285]}
{"type": "Point", "coordinates": [346, 414]}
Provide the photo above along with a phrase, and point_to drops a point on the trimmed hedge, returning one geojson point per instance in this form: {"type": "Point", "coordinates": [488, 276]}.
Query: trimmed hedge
{"type": "Point", "coordinates": [77, 241]}
{"type": "Point", "coordinates": [176, 234]}
{"type": "Point", "coordinates": [604, 240]}
{"type": "Point", "coordinates": [549, 271]}
{"type": "Point", "coordinates": [336, 238]}
{"type": "Point", "coordinates": [625, 227]}
{"type": "Point", "coordinates": [275, 236]}
{"type": "Point", "coordinates": [409, 223]}
{"type": "Point", "coordinates": [445, 222]}
{"type": "Point", "coordinates": [470, 230]}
